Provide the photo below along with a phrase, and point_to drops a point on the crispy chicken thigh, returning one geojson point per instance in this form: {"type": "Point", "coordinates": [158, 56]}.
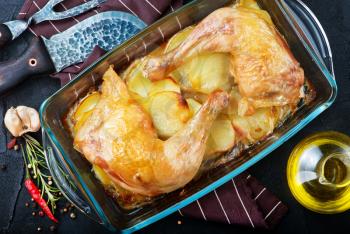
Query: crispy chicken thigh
{"type": "Point", "coordinates": [119, 138]}
{"type": "Point", "coordinates": [266, 72]}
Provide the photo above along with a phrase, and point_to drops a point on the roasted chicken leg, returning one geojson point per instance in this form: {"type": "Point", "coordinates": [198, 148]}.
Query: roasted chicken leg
{"type": "Point", "coordinates": [266, 72]}
{"type": "Point", "coordinates": [119, 138]}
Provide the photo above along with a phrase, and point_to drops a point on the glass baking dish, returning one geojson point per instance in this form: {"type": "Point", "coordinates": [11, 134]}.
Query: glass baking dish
{"type": "Point", "coordinates": [308, 43]}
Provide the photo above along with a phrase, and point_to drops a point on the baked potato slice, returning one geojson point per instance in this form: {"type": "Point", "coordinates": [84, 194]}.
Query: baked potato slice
{"type": "Point", "coordinates": [221, 138]}
{"type": "Point", "coordinates": [193, 105]}
{"type": "Point", "coordinates": [86, 105]}
{"type": "Point", "coordinates": [135, 80]}
{"type": "Point", "coordinates": [169, 112]}
{"type": "Point", "coordinates": [178, 38]}
{"type": "Point", "coordinates": [222, 134]}
{"type": "Point", "coordinates": [166, 84]}
{"type": "Point", "coordinates": [205, 73]}
{"type": "Point", "coordinates": [84, 110]}
{"type": "Point", "coordinates": [253, 128]}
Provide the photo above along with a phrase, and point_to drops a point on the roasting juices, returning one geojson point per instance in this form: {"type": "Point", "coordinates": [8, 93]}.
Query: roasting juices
{"type": "Point", "coordinates": [318, 172]}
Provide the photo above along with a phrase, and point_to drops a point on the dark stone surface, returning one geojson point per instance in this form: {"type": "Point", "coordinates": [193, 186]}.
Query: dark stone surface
{"type": "Point", "coordinates": [334, 16]}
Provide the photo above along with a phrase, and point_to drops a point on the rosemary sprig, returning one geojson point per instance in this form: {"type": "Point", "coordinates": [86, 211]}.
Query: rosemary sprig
{"type": "Point", "coordinates": [36, 161]}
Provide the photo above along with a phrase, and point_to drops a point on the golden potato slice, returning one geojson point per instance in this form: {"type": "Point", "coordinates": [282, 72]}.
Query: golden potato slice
{"type": "Point", "coordinates": [142, 86]}
{"type": "Point", "coordinates": [86, 105]}
{"type": "Point", "coordinates": [193, 105]}
{"type": "Point", "coordinates": [253, 128]}
{"type": "Point", "coordinates": [101, 175]}
{"type": "Point", "coordinates": [79, 123]}
{"type": "Point", "coordinates": [84, 110]}
{"type": "Point", "coordinates": [143, 101]}
{"type": "Point", "coordinates": [135, 80]}
{"type": "Point", "coordinates": [205, 73]}
{"type": "Point", "coordinates": [253, 125]}
{"type": "Point", "coordinates": [249, 4]}
{"type": "Point", "coordinates": [167, 84]}
{"type": "Point", "coordinates": [221, 138]}
{"type": "Point", "coordinates": [169, 112]}
{"type": "Point", "coordinates": [178, 38]}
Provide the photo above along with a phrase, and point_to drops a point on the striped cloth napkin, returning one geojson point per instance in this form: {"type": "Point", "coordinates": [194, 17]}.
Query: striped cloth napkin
{"type": "Point", "coordinates": [241, 201]}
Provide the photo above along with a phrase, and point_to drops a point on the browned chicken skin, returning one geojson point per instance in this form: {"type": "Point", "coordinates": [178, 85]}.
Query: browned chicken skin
{"type": "Point", "coordinates": [263, 67]}
{"type": "Point", "coordinates": [119, 138]}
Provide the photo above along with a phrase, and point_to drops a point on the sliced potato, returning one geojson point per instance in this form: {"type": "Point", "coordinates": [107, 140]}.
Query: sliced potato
{"type": "Point", "coordinates": [102, 175]}
{"type": "Point", "coordinates": [238, 105]}
{"type": "Point", "coordinates": [249, 4]}
{"type": "Point", "coordinates": [143, 101]}
{"type": "Point", "coordinates": [135, 80]}
{"type": "Point", "coordinates": [205, 73]}
{"type": "Point", "coordinates": [193, 105]}
{"type": "Point", "coordinates": [169, 112]}
{"type": "Point", "coordinates": [221, 137]}
{"type": "Point", "coordinates": [252, 6]}
{"type": "Point", "coordinates": [253, 128]}
{"type": "Point", "coordinates": [86, 105]}
{"type": "Point", "coordinates": [167, 84]}
{"type": "Point", "coordinates": [178, 38]}
{"type": "Point", "coordinates": [84, 110]}
{"type": "Point", "coordinates": [79, 123]}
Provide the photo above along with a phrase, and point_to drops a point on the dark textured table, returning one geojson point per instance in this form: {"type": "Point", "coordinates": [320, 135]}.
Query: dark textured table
{"type": "Point", "coordinates": [334, 16]}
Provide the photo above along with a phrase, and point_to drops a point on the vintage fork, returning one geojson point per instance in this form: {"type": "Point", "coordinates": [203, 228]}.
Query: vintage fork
{"type": "Point", "coordinates": [12, 29]}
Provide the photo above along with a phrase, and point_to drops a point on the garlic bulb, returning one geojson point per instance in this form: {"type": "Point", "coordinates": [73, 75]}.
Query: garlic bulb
{"type": "Point", "coordinates": [22, 119]}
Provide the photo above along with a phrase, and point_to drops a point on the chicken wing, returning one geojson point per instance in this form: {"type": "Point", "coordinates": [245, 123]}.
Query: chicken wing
{"type": "Point", "coordinates": [120, 139]}
{"type": "Point", "coordinates": [263, 67]}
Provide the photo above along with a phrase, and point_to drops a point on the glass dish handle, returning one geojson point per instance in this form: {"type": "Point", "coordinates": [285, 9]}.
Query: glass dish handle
{"type": "Point", "coordinates": [311, 30]}
{"type": "Point", "coordinates": [61, 178]}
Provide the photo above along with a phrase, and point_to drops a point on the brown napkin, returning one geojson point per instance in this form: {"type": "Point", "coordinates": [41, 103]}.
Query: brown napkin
{"type": "Point", "coordinates": [242, 201]}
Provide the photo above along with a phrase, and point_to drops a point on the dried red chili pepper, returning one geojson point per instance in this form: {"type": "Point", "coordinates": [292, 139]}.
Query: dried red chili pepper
{"type": "Point", "coordinates": [11, 143]}
{"type": "Point", "coordinates": [35, 193]}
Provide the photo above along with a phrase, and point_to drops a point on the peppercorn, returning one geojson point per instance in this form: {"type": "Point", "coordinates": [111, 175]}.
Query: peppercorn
{"type": "Point", "coordinates": [65, 210]}
{"type": "Point", "coordinates": [29, 166]}
{"type": "Point", "coordinates": [26, 204]}
{"type": "Point", "coordinates": [33, 213]}
{"type": "Point", "coordinates": [52, 228]}
{"type": "Point", "coordinates": [72, 215]}
{"type": "Point", "coordinates": [3, 167]}
{"type": "Point", "coordinates": [41, 213]}
{"type": "Point", "coordinates": [16, 147]}
{"type": "Point", "coordinates": [39, 229]}
{"type": "Point", "coordinates": [49, 182]}
{"type": "Point", "coordinates": [32, 199]}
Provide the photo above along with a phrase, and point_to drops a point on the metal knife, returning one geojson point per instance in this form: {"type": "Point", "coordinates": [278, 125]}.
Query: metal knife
{"type": "Point", "coordinates": [12, 29]}
{"type": "Point", "coordinates": [106, 30]}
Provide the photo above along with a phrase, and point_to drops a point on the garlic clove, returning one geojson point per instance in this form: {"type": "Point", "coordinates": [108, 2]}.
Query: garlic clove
{"type": "Point", "coordinates": [22, 119]}
{"type": "Point", "coordinates": [12, 122]}
{"type": "Point", "coordinates": [30, 118]}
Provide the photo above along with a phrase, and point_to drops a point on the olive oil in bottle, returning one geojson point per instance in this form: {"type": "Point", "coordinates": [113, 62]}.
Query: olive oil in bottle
{"type": "Point", "coordinates": [318, 172]}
